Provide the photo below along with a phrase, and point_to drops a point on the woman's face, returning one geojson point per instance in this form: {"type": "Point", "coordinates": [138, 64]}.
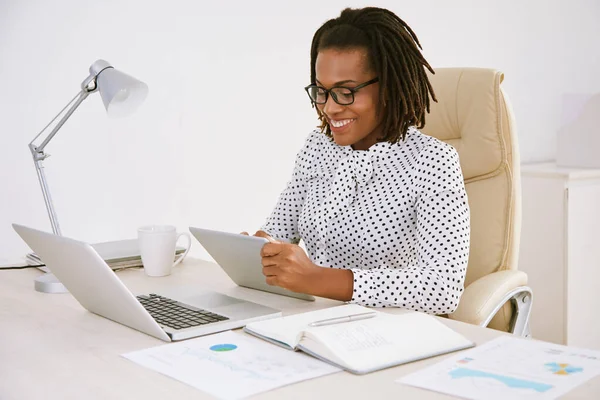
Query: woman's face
{"type": "Point", "coordinates": [357, 124]}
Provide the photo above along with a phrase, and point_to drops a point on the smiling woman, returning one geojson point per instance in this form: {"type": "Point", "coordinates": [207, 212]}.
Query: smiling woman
{"type": "Point", "coordinates": [381, 207]}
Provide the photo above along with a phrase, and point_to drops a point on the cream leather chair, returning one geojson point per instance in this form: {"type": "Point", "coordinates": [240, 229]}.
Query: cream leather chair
{"type": "Point", "coordinates": [474, 116]}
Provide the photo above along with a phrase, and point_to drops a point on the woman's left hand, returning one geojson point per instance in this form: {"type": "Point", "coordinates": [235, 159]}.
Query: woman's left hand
{"type": "Point", "coordinates": [287, 265]}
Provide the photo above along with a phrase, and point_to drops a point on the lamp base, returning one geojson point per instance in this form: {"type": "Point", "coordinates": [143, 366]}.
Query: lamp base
{"type": "Point", "coordinates": [48, 283]}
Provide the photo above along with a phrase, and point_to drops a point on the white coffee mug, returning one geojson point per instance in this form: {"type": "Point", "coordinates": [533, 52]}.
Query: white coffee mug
{"type": "Point", "coordinates": [157, 248]}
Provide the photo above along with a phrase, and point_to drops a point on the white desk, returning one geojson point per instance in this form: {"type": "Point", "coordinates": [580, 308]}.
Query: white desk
{"type": "Point", "coordinates": [51, 348]}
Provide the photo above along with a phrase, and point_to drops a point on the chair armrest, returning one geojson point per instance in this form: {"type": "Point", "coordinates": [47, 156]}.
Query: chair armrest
{"type": "Point", "coordinates": [482, 298]}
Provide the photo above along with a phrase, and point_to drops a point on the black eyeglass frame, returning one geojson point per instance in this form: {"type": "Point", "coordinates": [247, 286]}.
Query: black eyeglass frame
{"type": "Point", "coordinates": [333, 95]}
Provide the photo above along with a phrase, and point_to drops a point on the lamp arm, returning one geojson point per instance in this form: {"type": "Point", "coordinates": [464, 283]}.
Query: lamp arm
{"type": "Point", "coordinates": [79, 98]}
{"type": "Point", "coordinates": [39, 156]}
{"type": "Point", "coordinates": [89, 85]}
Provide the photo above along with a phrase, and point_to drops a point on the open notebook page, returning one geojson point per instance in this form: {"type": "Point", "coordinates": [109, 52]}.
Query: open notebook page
{"type": "Point", "coordinates": [383, 341]}
{"type": "Point", "coordinates": [287, 331]}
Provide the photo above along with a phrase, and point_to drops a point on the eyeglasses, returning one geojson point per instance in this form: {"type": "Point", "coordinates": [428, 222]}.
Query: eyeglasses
{"type": "Point", "coordinates": [344, 96]}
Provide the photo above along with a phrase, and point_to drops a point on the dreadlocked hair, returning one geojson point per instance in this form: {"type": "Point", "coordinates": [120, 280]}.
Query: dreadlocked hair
{"type": "Point", "coordinates": [394, 55]}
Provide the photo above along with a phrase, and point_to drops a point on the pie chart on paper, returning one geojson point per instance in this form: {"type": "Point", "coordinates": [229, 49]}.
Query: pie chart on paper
{"type": "Point", "coordinates": [223, 347]}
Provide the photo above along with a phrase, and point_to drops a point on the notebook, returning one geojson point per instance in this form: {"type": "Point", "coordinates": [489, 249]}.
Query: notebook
{"type": "Point", "coordinates": [362, 346]}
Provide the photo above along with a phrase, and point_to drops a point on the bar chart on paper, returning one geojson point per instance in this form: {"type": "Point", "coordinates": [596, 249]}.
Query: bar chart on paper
{"type": "Point", "coordinates": [211, 363]}
{"type": "Point", "coordinates": [510, 368]}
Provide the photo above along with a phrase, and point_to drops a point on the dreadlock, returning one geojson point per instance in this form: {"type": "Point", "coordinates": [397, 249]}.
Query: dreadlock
{"type": "Point", "coordinates": [394, 54]}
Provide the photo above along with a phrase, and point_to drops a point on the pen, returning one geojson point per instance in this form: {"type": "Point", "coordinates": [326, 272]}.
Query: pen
{"type": "Point", "coordinates": [347, 318]}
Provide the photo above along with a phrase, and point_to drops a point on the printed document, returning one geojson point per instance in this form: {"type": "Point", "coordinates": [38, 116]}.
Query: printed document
{"type": "Point", "coordinates": [510, 368]}
{"type": "Point", "coordinates": [230, 365]}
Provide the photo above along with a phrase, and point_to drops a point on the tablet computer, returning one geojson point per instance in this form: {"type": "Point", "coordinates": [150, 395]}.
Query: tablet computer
{"type": "Point", "coordinates": [239, 256]}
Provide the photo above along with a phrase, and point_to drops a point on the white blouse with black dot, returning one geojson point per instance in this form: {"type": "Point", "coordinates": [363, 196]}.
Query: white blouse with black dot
{"type": "Point", "coordinates": [395, 214]}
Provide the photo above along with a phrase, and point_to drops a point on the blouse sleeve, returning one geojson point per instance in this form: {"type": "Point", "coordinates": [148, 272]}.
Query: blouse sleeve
{"type": "Point", "coordinates": [282, 224]}
{"type": "Point", "coordinates": [435, 282]}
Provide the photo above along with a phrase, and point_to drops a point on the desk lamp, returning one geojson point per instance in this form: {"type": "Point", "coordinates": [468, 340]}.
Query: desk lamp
{"type": "Point", "coordinates": [121, 95]}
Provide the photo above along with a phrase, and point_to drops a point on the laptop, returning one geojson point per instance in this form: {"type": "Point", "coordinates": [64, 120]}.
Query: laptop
{"type": "Point", "coordinates": [118, 254]}
{"type": "Point", "coordinates": [179, 314]}
{"type": "Point", "coordinates": [239, 256]}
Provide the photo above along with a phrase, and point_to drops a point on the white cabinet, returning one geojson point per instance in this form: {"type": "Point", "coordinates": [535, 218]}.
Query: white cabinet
{"type": "Point", "coordinates": [560, 252]}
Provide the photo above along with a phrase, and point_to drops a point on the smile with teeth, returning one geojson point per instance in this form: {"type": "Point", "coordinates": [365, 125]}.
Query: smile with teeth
{"type": "Point", "coordinates": [340, 123]}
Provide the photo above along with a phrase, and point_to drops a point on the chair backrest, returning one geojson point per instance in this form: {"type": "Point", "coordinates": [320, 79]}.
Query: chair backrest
{"type": "Point", "coordinates": [473, 115]}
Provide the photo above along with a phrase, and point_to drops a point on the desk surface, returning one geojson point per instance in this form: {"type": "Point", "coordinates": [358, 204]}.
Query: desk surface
{"type": "Point", "coordinates": [52, 348]}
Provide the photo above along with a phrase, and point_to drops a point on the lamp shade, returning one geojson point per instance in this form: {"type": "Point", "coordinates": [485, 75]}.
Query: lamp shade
{"type": "Point", "coordinates": [121, 94]}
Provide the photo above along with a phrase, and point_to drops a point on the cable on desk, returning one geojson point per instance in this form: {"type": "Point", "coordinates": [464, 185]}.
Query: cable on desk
{"type": "Point", "coordinates": [21, 266]}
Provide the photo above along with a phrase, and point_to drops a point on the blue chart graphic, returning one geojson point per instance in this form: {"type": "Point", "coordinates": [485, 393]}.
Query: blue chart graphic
{"type": "Point", "coordinates": [223, 347]}
{"type": "Point", "coordinates": [507, 380]}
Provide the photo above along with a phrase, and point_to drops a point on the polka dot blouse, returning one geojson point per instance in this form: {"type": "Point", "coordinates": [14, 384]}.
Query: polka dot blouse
{"type": "Point", "coordinates": [396, 215]}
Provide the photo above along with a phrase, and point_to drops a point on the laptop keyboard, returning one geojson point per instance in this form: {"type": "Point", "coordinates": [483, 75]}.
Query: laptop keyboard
{"type": "Point", "coordinates": [177, 315]}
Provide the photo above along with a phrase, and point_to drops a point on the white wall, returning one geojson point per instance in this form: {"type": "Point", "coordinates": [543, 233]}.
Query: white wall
{"type": "Point", "coordinates": [215, 141]}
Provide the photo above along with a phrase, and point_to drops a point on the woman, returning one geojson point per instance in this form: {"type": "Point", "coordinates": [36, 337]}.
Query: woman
{"type": "Point", "coordinates": [381, 207]}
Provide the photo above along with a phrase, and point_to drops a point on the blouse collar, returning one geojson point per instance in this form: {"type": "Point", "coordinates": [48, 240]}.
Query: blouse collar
{"type": "Point", "coordinates": [377, 151]}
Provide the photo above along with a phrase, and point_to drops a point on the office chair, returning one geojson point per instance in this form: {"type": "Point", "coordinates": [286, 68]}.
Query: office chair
{"type": "Point", "coordinates": [474, 115]}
